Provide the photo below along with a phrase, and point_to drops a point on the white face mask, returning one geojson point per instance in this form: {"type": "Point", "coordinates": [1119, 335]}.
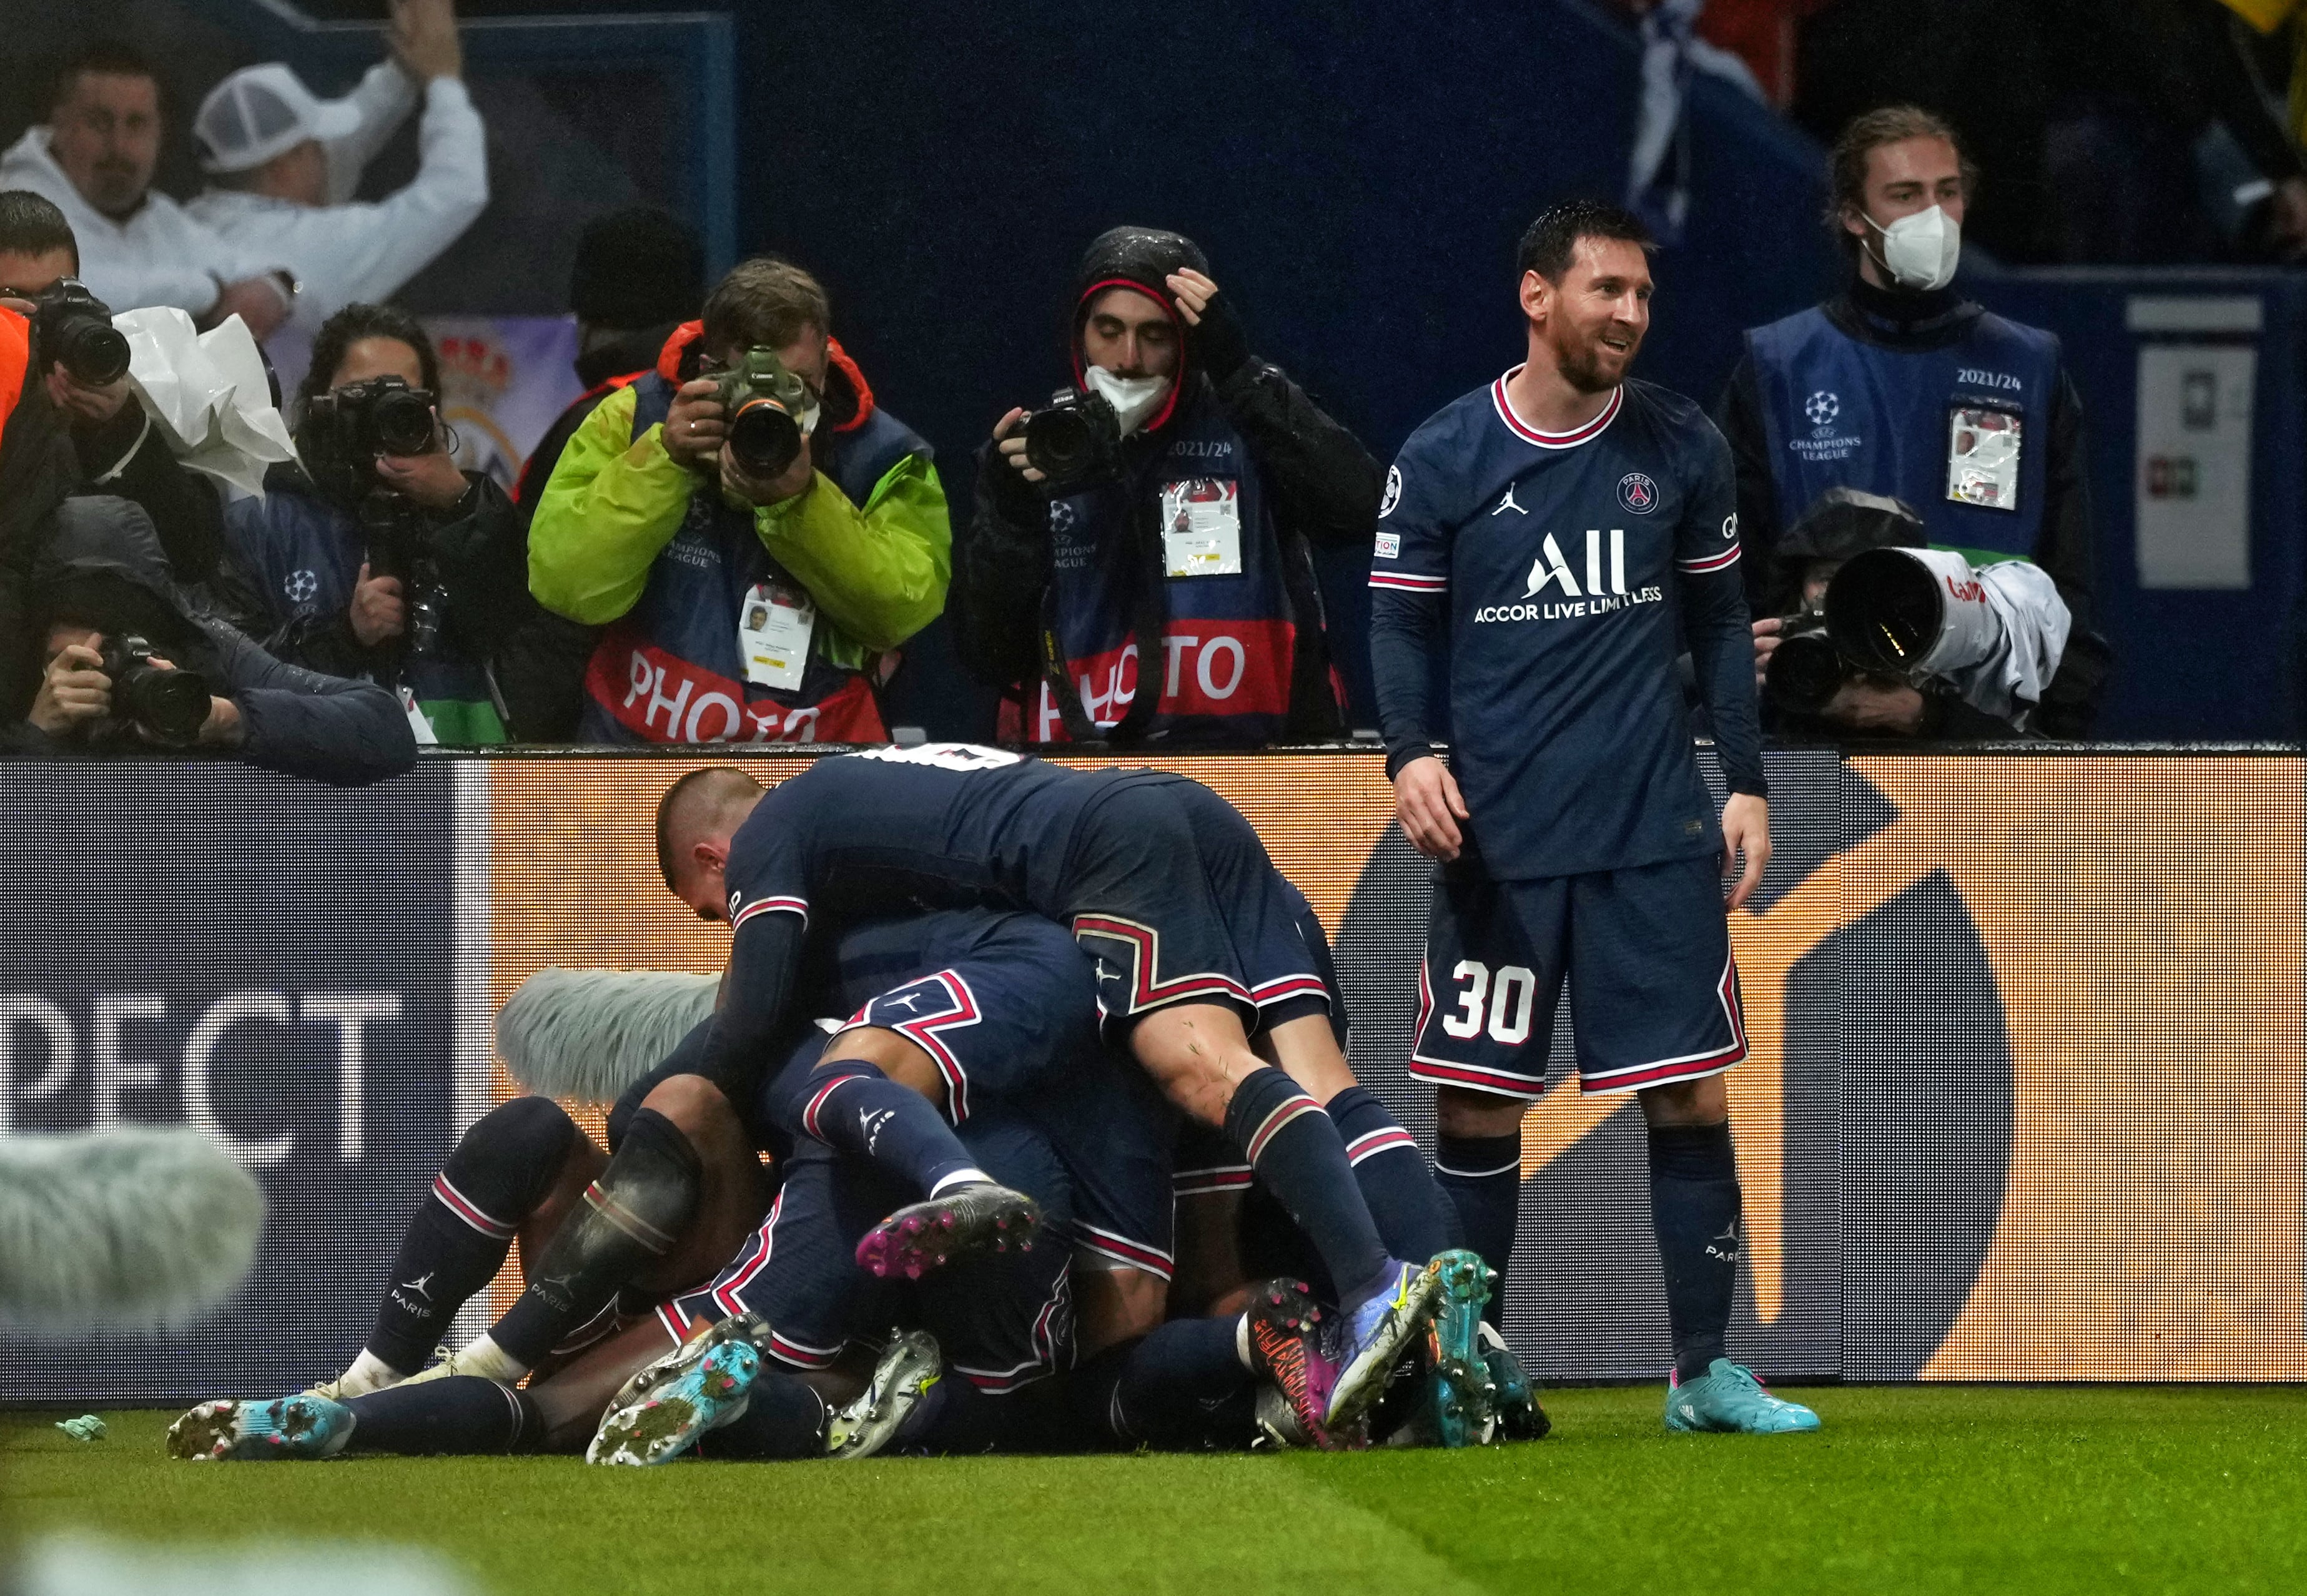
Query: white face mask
{"type": "Point", "coordinates": [1133, 399]}
{"type": "Point", "coordinates": [1920, 251]}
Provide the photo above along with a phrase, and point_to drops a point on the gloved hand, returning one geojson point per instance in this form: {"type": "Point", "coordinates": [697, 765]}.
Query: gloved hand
{"type": "Point", "coordinates": [1214, 338]}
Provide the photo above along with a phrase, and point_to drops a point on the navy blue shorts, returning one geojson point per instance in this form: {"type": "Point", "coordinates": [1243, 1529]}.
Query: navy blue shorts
{"type": "Point", "coordinates": [1008, 1021]}
{"type": "Point", "coordinates": [1002, 1320]}
{"type": "Point", "coordinates": [1654, 990]}
{"type": "Point", "coordinates": [1172, 892]}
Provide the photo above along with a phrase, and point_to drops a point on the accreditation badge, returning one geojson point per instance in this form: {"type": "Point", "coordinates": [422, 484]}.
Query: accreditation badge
{"type": "Point", "coordinates": [1983, 445]}
{"type": "Point", "coordinates": [1201, 527]}
{"type": "Point", "coordinates": [773, 633]}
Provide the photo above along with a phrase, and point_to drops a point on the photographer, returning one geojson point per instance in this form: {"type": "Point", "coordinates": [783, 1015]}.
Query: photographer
{"type": "Point", "coordinates": [132, 665]}
{"type": "Point", "coordinates": [1900, 387]}
{"type": "Point", "coordinates": [118, 449]}
{"type": "Point", "coordinates": [1154, 523]}
{"type": "Point", "coordinates": [752, 467]}
{"type": "Point", "coordinates": [377, 556]}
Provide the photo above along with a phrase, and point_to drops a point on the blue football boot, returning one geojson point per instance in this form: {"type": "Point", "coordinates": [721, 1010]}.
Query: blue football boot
{"type": "Point", "coordinates": [1728, 1400]}
{"type": "Point", "coordinates": [706, 1394]}
{"type": "Point", "coordinates": [1465, 1396]}
{"type": "Point", "coordinates": [1377, 1333]}
{"type": "Point", "coordinates": [1520, 1417]}
{"type": "Point", "coordinates": [291, 1427]}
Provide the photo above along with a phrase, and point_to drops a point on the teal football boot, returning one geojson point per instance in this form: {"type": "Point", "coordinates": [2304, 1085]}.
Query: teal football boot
{"type": "Point", "coordinates": [293, 1427]}
{"type": "Point", "coordinates": [713, 1391]}
{"type": "Point", "coordinates": [1728, 1400]}
{"type": "Point", "coordinates": [1465, 1396]}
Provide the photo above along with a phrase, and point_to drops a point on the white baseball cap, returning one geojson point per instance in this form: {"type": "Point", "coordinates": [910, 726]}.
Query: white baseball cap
{"type": "Point", "coordinates": [260, 112]}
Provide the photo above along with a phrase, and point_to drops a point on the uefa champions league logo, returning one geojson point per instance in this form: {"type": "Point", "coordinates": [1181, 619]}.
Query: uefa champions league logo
{"type": "Point", "coordinates": [301, 586]}
{"type": "Point", "coordinates": [1822, 407]}
{"type": "Point", "coordinates": [1393, 492]}
{"type": "Point", "coordinates": [1638, 493]}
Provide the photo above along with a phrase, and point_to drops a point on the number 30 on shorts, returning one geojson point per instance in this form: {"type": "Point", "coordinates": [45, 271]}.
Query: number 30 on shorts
{"type": "Point", "coordinates": [1511, 1001]}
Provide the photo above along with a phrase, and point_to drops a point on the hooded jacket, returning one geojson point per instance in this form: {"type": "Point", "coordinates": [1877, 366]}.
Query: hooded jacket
{"type": "Point", "coordinates": [102, 558]}
{"type": "Point", "coordinates": [1068, 601]}
{"type": "Point", "coordinates": [37, 471]}
{"type": "Point", "coordinates": [622, 534]}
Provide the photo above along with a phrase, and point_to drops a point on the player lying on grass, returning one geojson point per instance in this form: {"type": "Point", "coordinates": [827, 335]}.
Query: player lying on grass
{"type": "Point", "coordinates": [1096, 1152]}
{"type": "Point", "coordinates": [1197, 950]}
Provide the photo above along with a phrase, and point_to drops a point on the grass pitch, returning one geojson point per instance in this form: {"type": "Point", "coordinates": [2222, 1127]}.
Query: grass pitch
{"type": "Point", "coordinates": [1909, 1491]}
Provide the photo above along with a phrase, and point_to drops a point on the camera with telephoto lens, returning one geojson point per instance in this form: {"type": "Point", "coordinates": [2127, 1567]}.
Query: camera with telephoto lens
{"type": "Point", "coordinates": [401, 546]}
{"type": "Point", "coordinates": [170, 707]}
{"type": "Point", "coordinates": [1076, 438]}
{"type": "Point", "coordinates": [345, 430]}
{"type": "Point", "coordinates": [72, 327]}
{"type": "Point", "coordinates": [768, 409]}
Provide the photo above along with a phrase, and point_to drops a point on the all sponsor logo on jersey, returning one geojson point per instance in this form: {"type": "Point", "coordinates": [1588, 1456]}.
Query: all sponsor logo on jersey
{"type": "Point", "coordinates": [1392, 492]}
{"type": "Point", "coordinates": [1605, 593]}
{"type": "Point", "coordinates": [1637, 492]}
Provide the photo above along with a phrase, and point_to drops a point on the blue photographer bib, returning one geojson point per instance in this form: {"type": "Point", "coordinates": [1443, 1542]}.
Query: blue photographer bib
{"type": "Point", "coordinates": [1960, 432]}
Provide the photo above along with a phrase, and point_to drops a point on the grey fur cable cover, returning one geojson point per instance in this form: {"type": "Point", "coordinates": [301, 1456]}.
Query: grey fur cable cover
{"type": "Point", "coordinates": [122, 1230]}
{"type": "Point", "coordinates": [585, 1035]}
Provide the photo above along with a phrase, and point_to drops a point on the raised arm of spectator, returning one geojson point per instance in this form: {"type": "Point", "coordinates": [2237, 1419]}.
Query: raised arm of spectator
{"type": "Point", "coordinates": [375, 248]}
{"type": "Point", "coordinates": [385, 96]}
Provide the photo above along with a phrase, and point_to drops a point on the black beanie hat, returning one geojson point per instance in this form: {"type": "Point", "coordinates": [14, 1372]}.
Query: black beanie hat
{"type": "Point", "coordinates": [638, 267]}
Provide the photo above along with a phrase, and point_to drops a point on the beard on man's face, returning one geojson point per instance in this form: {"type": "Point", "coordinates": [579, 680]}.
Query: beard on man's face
{"type": "Point", "coordinates": [1586, 363]}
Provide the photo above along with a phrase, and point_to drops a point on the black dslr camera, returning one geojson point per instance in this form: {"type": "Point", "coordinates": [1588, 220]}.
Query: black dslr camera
{"type": "Point", "coordinates": [345, 431]}
{"type": "Point", "coordinates": [1077, 438]}
{"type": "Point", "coordinates": [401, 546]}
{"type": "Point", "coordinates": [1806, 669]}
{"type": "Point", "coordinates": [169, 706]}
{"type": "Point", "coordinates": [74, 327]}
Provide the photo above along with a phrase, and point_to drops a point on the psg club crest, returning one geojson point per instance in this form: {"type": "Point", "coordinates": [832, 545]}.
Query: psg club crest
{"type": "Point", "coordinates": [1638, 493]}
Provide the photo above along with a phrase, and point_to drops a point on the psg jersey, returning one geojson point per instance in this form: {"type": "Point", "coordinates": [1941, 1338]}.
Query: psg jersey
{"type": "Point", "coordinates": [1560, 555]}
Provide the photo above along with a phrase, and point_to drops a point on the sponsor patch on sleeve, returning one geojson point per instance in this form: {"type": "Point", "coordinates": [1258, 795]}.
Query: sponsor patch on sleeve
{"type": "Point", "coordinates": [1389, 545]}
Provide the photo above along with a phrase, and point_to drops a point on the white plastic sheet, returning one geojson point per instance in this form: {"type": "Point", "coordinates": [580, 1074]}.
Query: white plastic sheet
{"type": "Point", "coordinates": [207, 393]}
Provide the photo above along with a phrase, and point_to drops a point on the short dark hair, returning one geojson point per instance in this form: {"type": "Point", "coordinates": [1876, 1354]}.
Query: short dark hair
{"type": "Point", "coordinates": [766, 301]}
{"type": "Point", "coordinates": [700, 791]}
{"type": "Point", "coordinates": [347, 328]}
{"type": "Point", "coordinates": [32, 225]}
{"type": "Point", "coordinates": [105, 57]}
{"type": "Point", "coordinates": [1865, 134]}
{"type": "Point", "coordinates": [1549, 243]}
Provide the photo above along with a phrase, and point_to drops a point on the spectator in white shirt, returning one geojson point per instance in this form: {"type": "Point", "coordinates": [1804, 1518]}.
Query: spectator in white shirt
{"type": "Point", "coordinates": [283, 164]}
{"type": "Point", "coordinates": [94, 162]}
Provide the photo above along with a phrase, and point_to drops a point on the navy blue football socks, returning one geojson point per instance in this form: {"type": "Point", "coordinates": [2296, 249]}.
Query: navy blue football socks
{"type": "Point", "coordinates": [783, 1418]}
{"type": "Point", "coordinates": [1297, 1152]}
{"type": "Point", "coordinates": [500, 1170]}
{"type": "Point", "coordinates": [1414, 1219]}
{"type": "Point", "coordinates": [1156, 1391]}
{"type": "Point", "coordinates": [854, 1108]}
{"type": "Point", "coordinates": [1482, 1176]}
{"type": "Point", "coordinates": [460, 1414]}
{"type": "Point", "coordinates": [1694, 1209]}
{"type": "Point", "coordinates": [633, 1215]}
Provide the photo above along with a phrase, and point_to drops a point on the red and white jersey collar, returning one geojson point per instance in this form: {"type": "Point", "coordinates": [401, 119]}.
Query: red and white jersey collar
{"type": "Point", "coordinates": [1532, 435]}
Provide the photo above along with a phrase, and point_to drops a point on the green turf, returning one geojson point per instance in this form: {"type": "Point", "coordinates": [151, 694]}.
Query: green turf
{"type": "Point", "coordinates": [1907, 1490]}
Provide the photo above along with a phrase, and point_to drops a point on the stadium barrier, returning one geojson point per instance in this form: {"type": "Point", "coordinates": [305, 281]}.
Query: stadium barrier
{"type": "Point", "coordinates": [2024, 1101]}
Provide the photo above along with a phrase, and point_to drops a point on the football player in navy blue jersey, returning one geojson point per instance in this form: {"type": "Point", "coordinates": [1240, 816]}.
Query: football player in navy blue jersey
{"type": "Point", "coordinates": [1569, 529]}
